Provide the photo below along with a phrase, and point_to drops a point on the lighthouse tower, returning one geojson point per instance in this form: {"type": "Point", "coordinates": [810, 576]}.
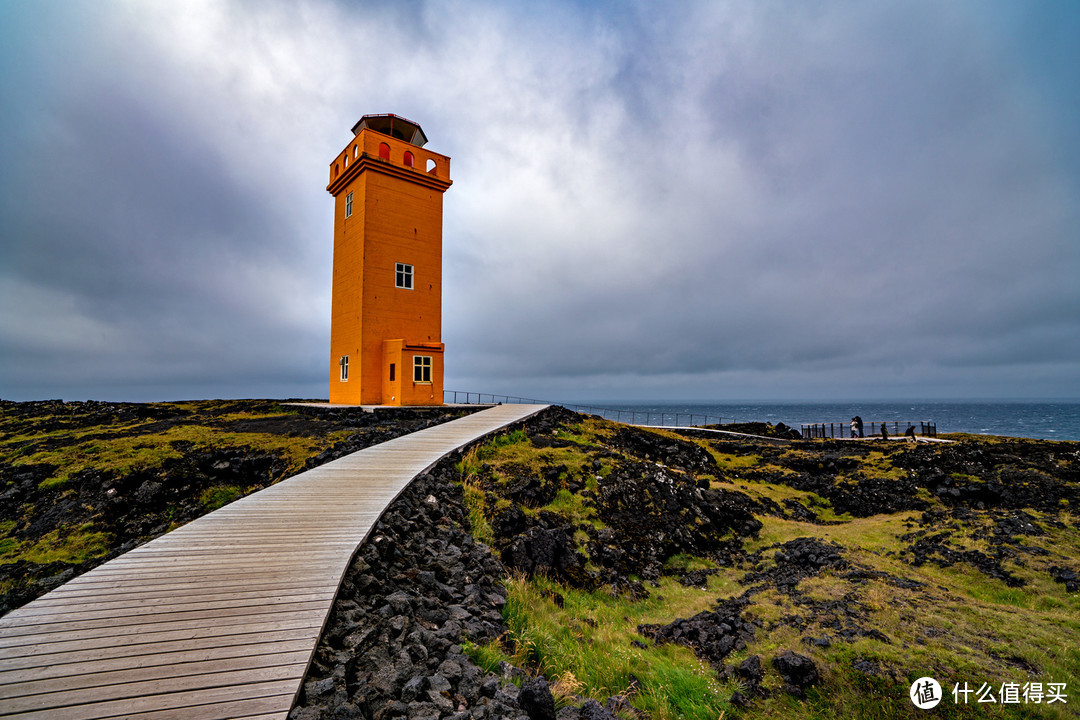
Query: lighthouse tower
{"type": "Point", "coordinates": [386, 318]}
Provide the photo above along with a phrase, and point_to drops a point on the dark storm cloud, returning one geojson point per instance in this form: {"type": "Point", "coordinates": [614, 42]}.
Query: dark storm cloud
{"type": "Point", "coordinates": [730, 200]}
{"type": "Point", "coordinates": [907, 203]}
{"type": "Point", "coordinates": [129, 249]}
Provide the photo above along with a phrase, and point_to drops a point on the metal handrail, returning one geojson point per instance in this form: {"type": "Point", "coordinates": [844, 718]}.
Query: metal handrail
{"type": "Point", "coordinates": [843, 429]}
{"type": "Point", "coordinates": [630, 417]}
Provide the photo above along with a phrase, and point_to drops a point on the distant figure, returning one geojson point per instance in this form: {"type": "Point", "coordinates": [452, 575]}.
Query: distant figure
{"type": "Point", "coordinates": [910, 432]}
{"type": "Point", "coordinates": [858, 426]}
{"type": "Point", "coordinates": [855, 427]}
{"type": "Point", "coordinates": [884, 432]}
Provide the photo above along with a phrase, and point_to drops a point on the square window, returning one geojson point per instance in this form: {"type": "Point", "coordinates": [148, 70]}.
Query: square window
{"type": "Point", "coordinates": [403, 276]}
{"type": "Point", "coordinates": [348, 205]}
{"type": "Point", "coordinates": [344, 363]}
{"type": "Point", "coordinates": [421, 368]}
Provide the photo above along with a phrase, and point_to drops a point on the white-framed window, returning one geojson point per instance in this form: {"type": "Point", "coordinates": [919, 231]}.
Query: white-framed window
{"type": "Point", "coordinates": [348, 205]}
{"type": "Point", "coordinates": [344, 363]}
{"type": "Point", "coordinates": [403, 276]}
{"type": "Point", "coordinates": [421, 368]}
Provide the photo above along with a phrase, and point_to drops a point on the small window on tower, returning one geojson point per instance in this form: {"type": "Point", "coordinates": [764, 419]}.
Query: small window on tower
{"type": "Point", "coordinates": [403, 276]}
{"type": "Point", "coordinates": [384, 151]}
{"type": "Point", "coordinates": [409, 161]}
{"type": "Point", "coordinates": [348, 205]}
{"type": "Point", "coordinates": [393, 367]}
{"type": "Point", "coordinates": [344, 363]}
{"type": "Point", "coordinates": [421, 368]}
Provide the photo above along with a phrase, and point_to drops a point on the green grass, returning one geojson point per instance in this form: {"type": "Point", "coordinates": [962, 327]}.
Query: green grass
{"type": "Point", "coordinates": [589, 640]}
{"type": "Point", "coordinates": [475, 505]}
{"type": "Point", "coordinates": [487, 657]}
{"type": "Point", "coordinates": [476, 457]}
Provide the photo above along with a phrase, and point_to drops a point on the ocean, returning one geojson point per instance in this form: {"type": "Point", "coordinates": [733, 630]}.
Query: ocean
{"type": "Point", "coordinates": [1041, 420]}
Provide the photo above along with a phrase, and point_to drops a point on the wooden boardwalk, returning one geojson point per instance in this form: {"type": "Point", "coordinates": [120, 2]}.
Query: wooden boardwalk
{"type": "Point", "coordinates": [219, 618]}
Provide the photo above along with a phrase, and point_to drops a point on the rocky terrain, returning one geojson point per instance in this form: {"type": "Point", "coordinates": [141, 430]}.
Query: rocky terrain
{"type": "Point", "coordinates": [577, 568]}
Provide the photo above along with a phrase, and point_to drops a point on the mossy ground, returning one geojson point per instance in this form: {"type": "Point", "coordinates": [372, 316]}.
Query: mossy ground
{"type": "Point", "coordinates": [135, 443]}
{"type": "Point", "coordinates": [83, 481]}
{"type": "Point", "coordinates": [953, 622]}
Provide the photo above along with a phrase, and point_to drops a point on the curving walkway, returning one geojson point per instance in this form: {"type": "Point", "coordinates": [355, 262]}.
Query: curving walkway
{"type": "Point", "coordinates": [219, 618]}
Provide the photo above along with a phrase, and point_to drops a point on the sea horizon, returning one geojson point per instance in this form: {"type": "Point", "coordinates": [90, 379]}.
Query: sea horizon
{"type": "Point", "coordinates": [1035, 418]}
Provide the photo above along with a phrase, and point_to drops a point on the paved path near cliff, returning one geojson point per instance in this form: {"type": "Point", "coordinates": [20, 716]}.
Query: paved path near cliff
{"type": "Point", "coordinates": [219, 618]}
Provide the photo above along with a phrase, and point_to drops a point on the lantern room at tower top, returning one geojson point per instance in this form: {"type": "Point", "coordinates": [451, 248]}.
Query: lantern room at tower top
{"type": "Point", "coordinates": [386, 307]}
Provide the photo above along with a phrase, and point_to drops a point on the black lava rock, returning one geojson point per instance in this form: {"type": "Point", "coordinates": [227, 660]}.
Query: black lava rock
{"type": "Point", "coordinates": [711, 635]}
{"type": "Point", "coordinates": [798, 671]}
{"type": "Point", "coordinates": [535, 698]}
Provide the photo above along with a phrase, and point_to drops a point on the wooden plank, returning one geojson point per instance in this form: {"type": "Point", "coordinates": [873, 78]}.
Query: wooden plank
{"type": "Point", "coordinates": [219, 618]}
{"type": "Point", "coordinates": [168, 603]}
{"type": "Point", "coordinates": [94, 675]}
{"type": "Point", "coordinates": [236, 576]}
{"type": "Point", "coordinates": [190, 705]}
{"type": "Point", "coordinates": [159, 687]}
{"type": "Point", "coordinates": [192, 587]}
{"type": "Point", "coordinates": [194, 628]}
{"type": "Point", "coordinates": [76, 622]}
{"type": "Point", "coordinates": [158, 658]}
{"type": "Point", "coordinates": [150, 573]}
{"type": "Point", "coordinates": [207, 645]}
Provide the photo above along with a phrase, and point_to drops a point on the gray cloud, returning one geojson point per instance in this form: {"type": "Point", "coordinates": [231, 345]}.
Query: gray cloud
{"type": "Point", "coordinates": [732, 201]}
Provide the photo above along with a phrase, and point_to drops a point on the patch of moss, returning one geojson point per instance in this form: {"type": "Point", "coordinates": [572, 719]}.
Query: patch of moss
{"type": "Point", "coordinates": [67, 544]}
{"type": "Point", "coordinates": [218, 496]}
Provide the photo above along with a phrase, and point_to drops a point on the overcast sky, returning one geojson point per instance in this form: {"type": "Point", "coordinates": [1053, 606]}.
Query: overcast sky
{"type": "Point", "coordinates": [710, 201]}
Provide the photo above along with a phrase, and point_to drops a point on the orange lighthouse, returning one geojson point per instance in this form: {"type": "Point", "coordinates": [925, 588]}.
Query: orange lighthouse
{"type": "Point", "coordinates": [386, 318]}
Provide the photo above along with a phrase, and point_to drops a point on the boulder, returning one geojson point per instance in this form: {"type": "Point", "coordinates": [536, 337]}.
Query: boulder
{"type": "Point", "coordinates": [535, 698]}
{"type": "Point", "coordinates": [798, 671]}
